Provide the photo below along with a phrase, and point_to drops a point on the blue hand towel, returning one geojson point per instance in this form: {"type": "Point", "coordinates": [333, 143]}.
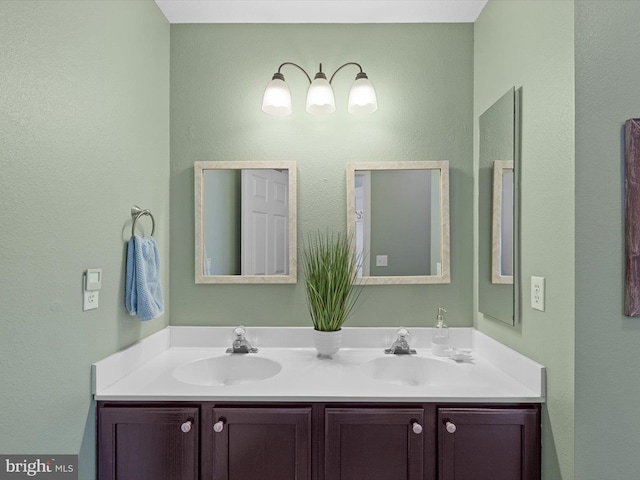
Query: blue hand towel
{"type": "Point", "coordinates": [143, 290]}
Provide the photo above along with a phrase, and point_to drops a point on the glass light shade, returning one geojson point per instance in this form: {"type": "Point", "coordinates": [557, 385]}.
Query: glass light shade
{"type": "Point", "coordinates": [320, 99]}
{"type": "Point", "coordinates": [277, 98]}
{"type": "Point", "coordinates": [362, 97]}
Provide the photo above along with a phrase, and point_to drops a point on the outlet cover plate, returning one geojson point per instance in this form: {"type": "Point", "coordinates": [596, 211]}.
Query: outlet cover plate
{"type": "Point", "coordinates": [382, 261]}
{"type": "Point", "coordinates": [537, 293]}
{"type": "Point", "coordinates": [90, 300]}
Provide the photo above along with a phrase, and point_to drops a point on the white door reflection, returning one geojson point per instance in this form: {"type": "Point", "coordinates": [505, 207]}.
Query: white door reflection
{"type": "Point", "coordinates": [265, 218]}
{"type": "Point", "coordinates": [363, 226]}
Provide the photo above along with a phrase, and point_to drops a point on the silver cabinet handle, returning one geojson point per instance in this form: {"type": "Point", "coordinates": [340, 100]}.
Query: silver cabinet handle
{"type": "Point", "coordinates": [416, 427]}
{"type": "Point", "coordinates": [218, 426]}
{"type": "Point", "coordinates": [451, 427]}
{"type": "Point", "coordinates": [186, 426]}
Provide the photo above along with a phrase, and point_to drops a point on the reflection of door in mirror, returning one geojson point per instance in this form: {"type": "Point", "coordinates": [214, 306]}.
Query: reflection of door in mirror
{"type": "Point", "coordinates": [245, 222]}
{"type": "Point", "coordinates": [363, 221]}
{"type": "Point", "coordinates": [498, 173]}
{"type": "Point", "coordinates": [398, 216]}
{"type": "Point", "coordinates": [265, 218]}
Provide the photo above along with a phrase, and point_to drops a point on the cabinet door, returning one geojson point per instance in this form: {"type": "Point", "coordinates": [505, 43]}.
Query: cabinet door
{"type": "Point", "coordinates": [375, 444]}
{"type": "Point", "coordinates": [261, 443]}
{"type": "Point", "coordinates": [489, 444]}
{"type": "Point", "coordinates": [148, 443]}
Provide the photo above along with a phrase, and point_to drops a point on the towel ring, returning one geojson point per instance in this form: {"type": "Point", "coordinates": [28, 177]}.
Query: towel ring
{"type": "Point", "coordinates": [136, 213]}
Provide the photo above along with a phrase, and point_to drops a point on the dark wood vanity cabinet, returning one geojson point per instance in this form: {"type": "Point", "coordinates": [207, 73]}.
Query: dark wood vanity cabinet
{"type": "Point", "coordinates": [260, 443]}
{"type": "Point", "coordinates": [385, 443]}
{"type": "Point", "coordinates": [317, 441]}
{"type": "Point", "coordinates": [148, 443]}
{"type": "Point", "coordinates": [489, 443]}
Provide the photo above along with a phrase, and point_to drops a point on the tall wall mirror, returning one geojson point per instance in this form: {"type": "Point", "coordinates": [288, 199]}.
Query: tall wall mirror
{"type": "Point", "coordinates": [398, 218]}
{"type": "Point", "coordinates": [245, 222]}
{"type": "Point", "coordinates": [498, 209]}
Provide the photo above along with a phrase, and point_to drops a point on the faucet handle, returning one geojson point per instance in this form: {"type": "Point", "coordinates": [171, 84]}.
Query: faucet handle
{"type": "Point", "coordinates": [240, 343]}
{"type": "Point", "coordinates": [400, 344]}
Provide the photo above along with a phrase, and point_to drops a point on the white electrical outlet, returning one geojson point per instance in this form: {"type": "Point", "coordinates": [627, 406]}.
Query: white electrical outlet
{"type": "Point", "coordinates": [381, 261]}
{"type": "Point", "coordinates": [537, 293]}
{"type": "Point", "coordinates": [92, 285]}
{"type": "Point", "coordinates": [90, 300]}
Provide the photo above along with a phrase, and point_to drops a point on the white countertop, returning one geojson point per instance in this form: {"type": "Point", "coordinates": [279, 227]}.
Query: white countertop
{"type": "Point", "coordinates": [144, 371]}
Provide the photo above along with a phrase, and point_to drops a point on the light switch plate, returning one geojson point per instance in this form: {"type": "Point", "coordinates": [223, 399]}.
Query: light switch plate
{"type": "Point", "coordinates": [93, 279]}
{"type": "Point", "coordinates": [537, 293]}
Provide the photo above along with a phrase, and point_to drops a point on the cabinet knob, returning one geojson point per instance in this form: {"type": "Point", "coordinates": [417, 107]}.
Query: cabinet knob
{"type": "Point", "coordinates": [451, 427]}
{"type": "Point", "coordinates": [218, 426]}
{"type": "Point", "coordinates": [416, 427]}
{"type": "Point", "coordinates": [186, 426]}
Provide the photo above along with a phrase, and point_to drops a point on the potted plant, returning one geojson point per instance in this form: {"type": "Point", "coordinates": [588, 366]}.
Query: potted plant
{"type": "Point", "coordinates": [330, 270]}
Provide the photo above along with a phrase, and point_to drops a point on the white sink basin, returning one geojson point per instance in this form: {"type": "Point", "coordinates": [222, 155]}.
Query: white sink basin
{"type": "Point", "coordinates": [232, 369]}
{"type": "Point", "coordinates": [414, 371]}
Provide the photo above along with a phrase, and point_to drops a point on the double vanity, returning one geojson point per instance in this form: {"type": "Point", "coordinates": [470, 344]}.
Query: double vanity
{"type": "Point", "coordinates": [177, 406]}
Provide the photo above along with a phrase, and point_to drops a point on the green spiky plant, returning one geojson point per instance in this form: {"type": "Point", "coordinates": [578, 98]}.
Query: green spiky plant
{"type": "Point", "coordinates": [330, 269]}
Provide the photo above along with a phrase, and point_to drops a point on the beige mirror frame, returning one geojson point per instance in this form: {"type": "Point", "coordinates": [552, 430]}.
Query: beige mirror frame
{"type": "Point", "coordinates": [290, 256]}
{"type": "Point", "coordinates": [500, 167]}
{"type": "Point", "coordinates": [444, 274]}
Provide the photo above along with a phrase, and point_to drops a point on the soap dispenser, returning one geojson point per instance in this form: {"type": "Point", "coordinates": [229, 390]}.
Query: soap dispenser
{"type": "Point", "coordinates": [440, 337]}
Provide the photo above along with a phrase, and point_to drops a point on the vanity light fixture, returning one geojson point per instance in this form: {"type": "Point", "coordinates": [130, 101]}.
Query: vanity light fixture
{"type": "Point", "coordinates": [320, 99]}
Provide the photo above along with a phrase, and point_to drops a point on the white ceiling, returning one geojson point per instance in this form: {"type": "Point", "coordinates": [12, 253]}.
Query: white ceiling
{"type": "Point", "coordinates": [321, 11]}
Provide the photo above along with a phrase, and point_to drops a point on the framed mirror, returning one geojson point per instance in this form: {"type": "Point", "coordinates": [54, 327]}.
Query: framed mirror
{"type": "Point", "coordinates": [245, 222]}
{"type": "Point", "coordinates": [398, 217]}
{"type": "Point", "coordinates": [502, 223]}
{"type": "Point", "coordinates": [498, 209]}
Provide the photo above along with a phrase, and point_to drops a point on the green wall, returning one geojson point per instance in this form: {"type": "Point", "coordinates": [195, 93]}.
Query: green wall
{"type": "Point", "coordinates": [607, 374]}
{"type": "Point", "coordinates": [423, 75]}
{"type": "Point", "coordinates": [84, 135]}
{"type": "Point", "coordinates": [531, 44]}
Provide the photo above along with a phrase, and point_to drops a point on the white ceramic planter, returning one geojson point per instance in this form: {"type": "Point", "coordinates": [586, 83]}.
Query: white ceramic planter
{"type": "Point", "coordinates": [327, 343]}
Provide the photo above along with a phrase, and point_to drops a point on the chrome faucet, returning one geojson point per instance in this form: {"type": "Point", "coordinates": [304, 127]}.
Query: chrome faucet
{"type": "Point", "coordinates": [241, 344]}
{"type": "Point", "coordinates": [400, 346]}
